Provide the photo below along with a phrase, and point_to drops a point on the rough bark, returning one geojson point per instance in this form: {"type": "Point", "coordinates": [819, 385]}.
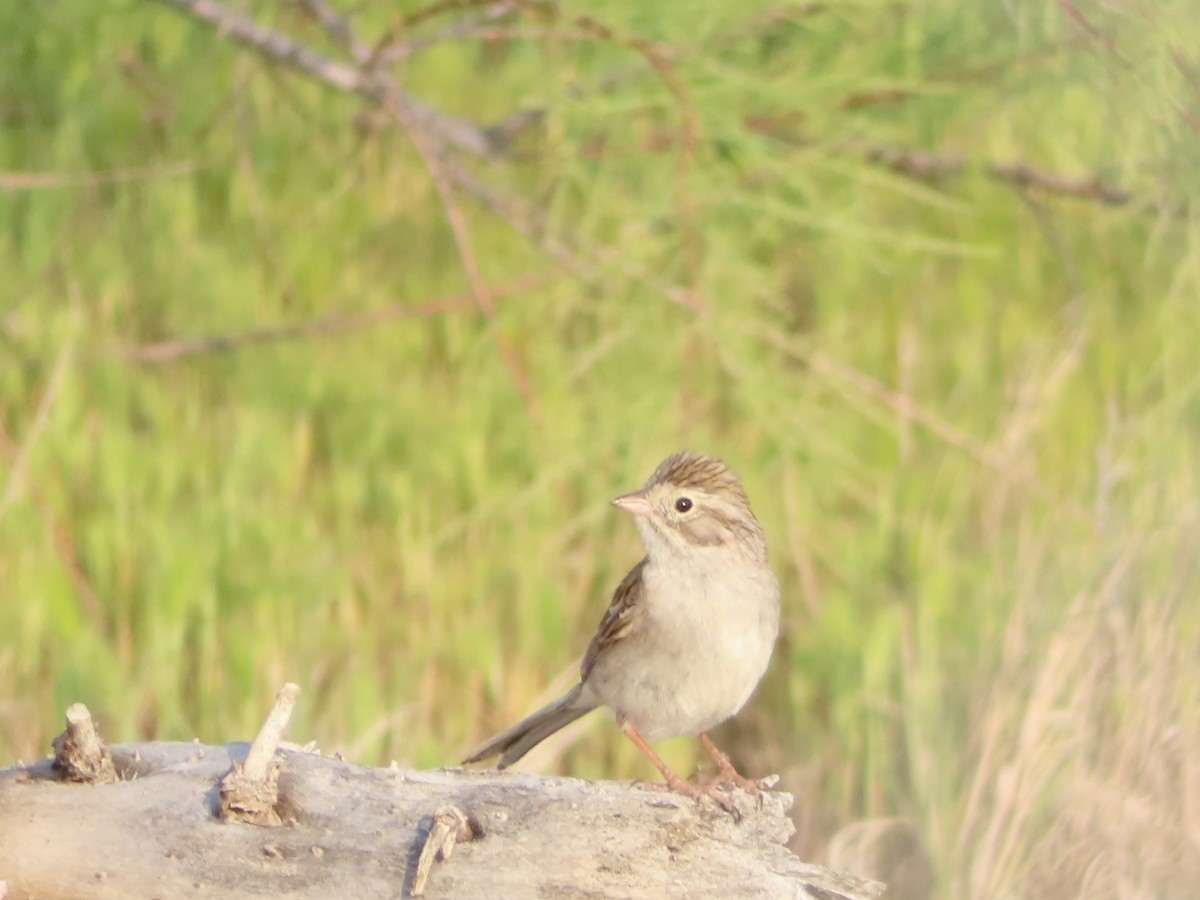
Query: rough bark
{"type": "Point", "coordinates": [165, 829]}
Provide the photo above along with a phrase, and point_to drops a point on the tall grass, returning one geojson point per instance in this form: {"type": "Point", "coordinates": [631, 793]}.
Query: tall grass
{"type": "Point", "coordinates": [968, 413]}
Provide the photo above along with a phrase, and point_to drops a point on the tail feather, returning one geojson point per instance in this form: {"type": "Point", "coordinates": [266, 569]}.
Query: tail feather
{"type": "Point", "coordinates": [515, 742]}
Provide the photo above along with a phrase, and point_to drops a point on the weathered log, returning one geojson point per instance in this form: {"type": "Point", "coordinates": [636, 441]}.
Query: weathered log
{"type": "Point", "coordinates": [352, 831]}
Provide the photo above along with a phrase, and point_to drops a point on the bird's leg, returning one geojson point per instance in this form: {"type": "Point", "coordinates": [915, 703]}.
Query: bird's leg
{"type": "Point", "coordinates": [674, 782]}
{"type": "Point", "coordinates": [726, 773]}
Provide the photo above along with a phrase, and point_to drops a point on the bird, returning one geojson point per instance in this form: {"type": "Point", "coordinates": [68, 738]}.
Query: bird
{"type": "Point", "coordinates": [689, 632]}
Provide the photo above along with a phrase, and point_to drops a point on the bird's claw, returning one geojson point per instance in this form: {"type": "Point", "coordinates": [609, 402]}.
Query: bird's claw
{"type": "Point", "coordinates": [729, 776]}
{"type": "Point", "coordinates": [712, 791]}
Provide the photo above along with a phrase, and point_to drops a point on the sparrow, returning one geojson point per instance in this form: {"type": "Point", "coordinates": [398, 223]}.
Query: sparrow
{"type": "Point", "coordinates": [689, 632]}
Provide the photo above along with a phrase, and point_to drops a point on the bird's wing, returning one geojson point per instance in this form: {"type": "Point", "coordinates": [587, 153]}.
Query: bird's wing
{"type": "Point", "coordinates": [617, 619]}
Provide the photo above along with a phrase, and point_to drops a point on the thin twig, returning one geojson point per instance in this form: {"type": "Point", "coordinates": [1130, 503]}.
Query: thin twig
{"type": "Point", "coordinates": [1073, 13]}
{"type": "Point", "coordinates": [469, 27]}
{"type": "Point", "coordinates": [531, 224]}
{"type": "Point", "coordinates": [659, 62]}
{"type": "Point", "coordinates": [689, 133]}
{"type": "Point", "coordinates": [428, 130]}
{"type": "Point", "coordinates": [1089, 187]}
{"type": "Point", "coordinates": [440, 126]}
{"type": "Point", "coordinates": [925, 166]}
{"type": "Point", "coordinates": [462, 240]}
{"type": "Point", "coordinates": [907, 408]}
{"type": "Point", "coordinates": [333, 22]}
{"type": "Point", "coordinates": [838, 372]}
{"type": "Point", "coordinates": [586, 27]}
{"type": "Point", "coordinates": [28, 181]}
{"type": "Point", "coordinates": [1190, 119]}
{"type": "Point", "coordinates": [325, 326]}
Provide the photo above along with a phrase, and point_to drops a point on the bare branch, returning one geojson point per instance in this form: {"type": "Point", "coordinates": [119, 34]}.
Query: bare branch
{"type": "Point", "coordinates": [326, 326]}
{"type": "Point", "coordinates": [925, 166]}
{"type": "Point", "coordinates": [429, 131]}
{"type": "Point", "coordinates": [441, 127]}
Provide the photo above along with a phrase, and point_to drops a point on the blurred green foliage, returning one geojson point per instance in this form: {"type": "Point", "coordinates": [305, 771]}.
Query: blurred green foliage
{"type": "Point", "coordinates": [967, 411]}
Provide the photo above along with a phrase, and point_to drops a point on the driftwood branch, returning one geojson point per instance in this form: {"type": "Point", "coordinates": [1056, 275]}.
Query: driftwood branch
{"type": "Point", "coordinates": [341, 830]}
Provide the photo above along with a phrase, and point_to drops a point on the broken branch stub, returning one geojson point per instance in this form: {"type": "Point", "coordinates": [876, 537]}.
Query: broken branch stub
{"type": "Point", "coordinates": [250, 790]}
{"type": "Point", "coordinates": [79, 754]}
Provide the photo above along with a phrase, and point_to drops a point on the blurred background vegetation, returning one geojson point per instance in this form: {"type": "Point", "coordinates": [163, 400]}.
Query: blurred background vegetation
{"type": "Point", "coordinates": [303, 384]}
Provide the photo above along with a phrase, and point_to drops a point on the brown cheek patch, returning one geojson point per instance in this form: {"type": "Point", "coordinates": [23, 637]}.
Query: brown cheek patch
{"type": "Point", "coordinates": [707, 531]}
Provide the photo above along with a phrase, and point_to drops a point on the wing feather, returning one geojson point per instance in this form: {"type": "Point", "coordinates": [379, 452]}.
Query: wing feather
{"type": "Point", "coordinates": [621, 612]}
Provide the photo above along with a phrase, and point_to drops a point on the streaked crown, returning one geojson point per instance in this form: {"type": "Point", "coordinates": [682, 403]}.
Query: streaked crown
{"type": "Point", "coordinates": [694, 502]}
{"type": "Point", "coordinates": [686, 469]}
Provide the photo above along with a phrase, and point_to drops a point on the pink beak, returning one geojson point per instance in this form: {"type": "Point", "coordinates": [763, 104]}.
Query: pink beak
{"type": "Point", "coordinates": [635, 503]}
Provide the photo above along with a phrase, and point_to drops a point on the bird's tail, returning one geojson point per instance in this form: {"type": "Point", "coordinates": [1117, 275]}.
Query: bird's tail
{"type": "Point", "coordinates": [515, 742]}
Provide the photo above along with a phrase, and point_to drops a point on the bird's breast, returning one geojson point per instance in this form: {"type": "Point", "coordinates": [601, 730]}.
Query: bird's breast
{"type": "Point", "coordinates": [705, 640]}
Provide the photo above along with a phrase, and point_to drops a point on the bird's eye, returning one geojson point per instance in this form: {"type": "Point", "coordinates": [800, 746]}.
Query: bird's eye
{"type": "Point", "coordinates": [683, 504]}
